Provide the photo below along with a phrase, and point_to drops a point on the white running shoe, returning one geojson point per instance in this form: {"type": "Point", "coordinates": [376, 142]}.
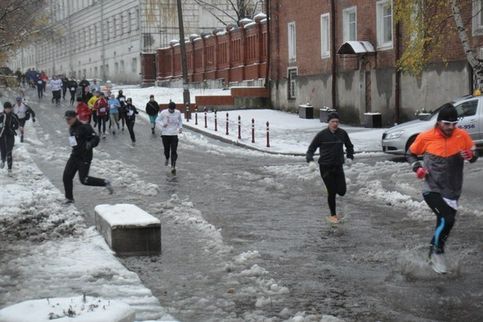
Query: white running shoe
{"type": "Point", "coordinates": [109, 187]}
{"type": "Point", "coordinates": [438, 263]}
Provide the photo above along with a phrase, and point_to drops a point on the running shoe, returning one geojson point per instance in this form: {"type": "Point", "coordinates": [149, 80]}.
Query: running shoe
{"type": "Point", "coordinates": [333, 219]}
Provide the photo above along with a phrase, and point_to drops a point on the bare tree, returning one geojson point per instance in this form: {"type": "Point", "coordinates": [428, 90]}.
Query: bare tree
{"type": "Point", "coordinates": [234, 11]}
{"type": "Point", "coordinates": [20, 22]}
{"type": "Point", "coordinates": [429, 25]}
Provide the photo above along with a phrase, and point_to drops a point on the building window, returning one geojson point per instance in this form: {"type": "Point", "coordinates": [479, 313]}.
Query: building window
{"type": "Point", "coordinates": [292, 42]}
{"type": "Point", "coordinates": [129, 21]}
{"type": "Point", "coordinates": [136, 19]}
{"type": "Point", "coordinates": [116, 68]}
{"type": "Point", "coordinates": [292, 84]}
{"type": "Point", "coordinates": [95, 34]}
{"type": "Point", "coordinates": [134, 65]}
{"type": "Point", "coordinates": [384, 24]}
{"type": "Point", "coordinates": [477, 17]}
{"type": "Point", "coordinates": [122, 66]}
{"type": "Point", "coordinates": [325, 35]}
{"type": "Point", "coordinates": [349, 19]}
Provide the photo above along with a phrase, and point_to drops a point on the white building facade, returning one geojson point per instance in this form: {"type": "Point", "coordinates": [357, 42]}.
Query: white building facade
{"type": "Point", "coordinates": [103, 39]}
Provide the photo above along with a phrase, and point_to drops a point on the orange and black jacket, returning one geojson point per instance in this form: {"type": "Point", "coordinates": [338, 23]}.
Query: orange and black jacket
{"type": "Point", "coordinates": [442, 159]}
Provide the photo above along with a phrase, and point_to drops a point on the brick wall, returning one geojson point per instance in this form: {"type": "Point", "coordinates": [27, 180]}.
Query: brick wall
{"type": "Point", "coordinates": [233, 55]}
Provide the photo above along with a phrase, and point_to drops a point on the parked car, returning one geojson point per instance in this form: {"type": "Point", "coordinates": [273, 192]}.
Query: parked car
{"type": "Point", "coordinates": [399, 138]}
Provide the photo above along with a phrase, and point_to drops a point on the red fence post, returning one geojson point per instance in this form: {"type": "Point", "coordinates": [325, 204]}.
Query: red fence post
{"type": "Point", "coordinates": [239, 127]}
{"type": "Point", "coordinates": [216, 122]}
{"type": "Point", "coordinates": [268, 135]}
{"type": "Point", "coordinates": [226, 124]}
{"type": "Point", "coordinates": [253, 130]}
{"type": "Point", "coordinates": [206, 118]}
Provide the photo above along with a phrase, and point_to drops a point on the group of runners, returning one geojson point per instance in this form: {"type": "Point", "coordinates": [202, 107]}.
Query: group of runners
{"type": "Point", "coordinates": [444, 149]}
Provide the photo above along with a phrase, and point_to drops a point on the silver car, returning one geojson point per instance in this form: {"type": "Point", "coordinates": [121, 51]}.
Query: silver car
{"type": "Point", "coordinates": [399, 138]}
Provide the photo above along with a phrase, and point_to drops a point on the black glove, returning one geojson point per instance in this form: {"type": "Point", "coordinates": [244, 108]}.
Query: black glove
{"type": "Point", "coordinates": [88, 145]}
{"type": "Point", "coordinates": [33, 119]}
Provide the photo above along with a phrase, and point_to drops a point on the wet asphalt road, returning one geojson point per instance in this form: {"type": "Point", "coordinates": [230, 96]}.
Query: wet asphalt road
{"type": "Point", "coordinates": [370, 268]}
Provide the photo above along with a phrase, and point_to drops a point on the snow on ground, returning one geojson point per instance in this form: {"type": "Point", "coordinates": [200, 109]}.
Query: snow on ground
{"type": "Point", "coordinates": [162, 95]}
{"type": "Point", "coordinates": [48, 252]}
{"type": "Point", "coordinates": [74, 309]}
{"type": "Point", "coordinates": [288, 133]}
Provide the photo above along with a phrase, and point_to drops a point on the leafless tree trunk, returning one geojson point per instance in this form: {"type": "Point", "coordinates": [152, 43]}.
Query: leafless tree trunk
{"type": "Point", "coordinates": [463, 35]}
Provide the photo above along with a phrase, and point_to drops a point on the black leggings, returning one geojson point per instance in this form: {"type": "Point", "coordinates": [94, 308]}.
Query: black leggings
{"type": "Point", "coordinates": [130, 127]}
{"type": "Point", "coordinates": [6, 146]}
{"type": "Point", "coordinates": [170, 143]}
{"type": "Point", "coordinates": [101, 122]}
{"type": "Point", "coordinates": [73, 165]}
{"type": "Point", "coordinates": [445, 219]}
{"type": "Point", "coordinates": [334, 180]}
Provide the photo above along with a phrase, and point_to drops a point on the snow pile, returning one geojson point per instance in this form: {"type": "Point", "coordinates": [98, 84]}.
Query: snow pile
{"type": "Point", "coordinates": [47, 251]}
{"type": "Point", "coordinates": [125, 215]}
{"type": "Point", "coordinates": [74, 309]}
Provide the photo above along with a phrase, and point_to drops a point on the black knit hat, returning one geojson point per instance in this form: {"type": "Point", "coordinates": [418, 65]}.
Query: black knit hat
{"type": "Point", "coordinates": [171, 105]}
{"type": "Point", "coordinates": [448, 113]}
{"type": "Point", "coordinates": [69, 114]}
{"type": "Point", "coordinates": [333, 115]}
{"type": "Point", "coordinates": [7, 105]}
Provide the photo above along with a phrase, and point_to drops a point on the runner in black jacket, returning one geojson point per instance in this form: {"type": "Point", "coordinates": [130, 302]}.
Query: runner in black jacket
{"type": "Point", "coordinates": [82, 139]}
{"type": "Point", "coordinates": [152, 109]}
{"type": "Point", "coordinates": [8, 125]}
{"type": "Point", "coordinates": [330, 143]}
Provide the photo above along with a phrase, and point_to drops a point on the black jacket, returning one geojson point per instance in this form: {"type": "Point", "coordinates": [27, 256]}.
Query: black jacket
{"type": "Point", "coordinates": [86, 140]}
{"type": "Point", "coordinates": [130, 109]}
{"type": "Point", "coordinates": [8, 124]}
{"type": "Point", "coordinates": [331, 147]}
{"type": "Point", "coordinates": [152, 108]}
{"type": "Point", "coordinates": [72, 84]}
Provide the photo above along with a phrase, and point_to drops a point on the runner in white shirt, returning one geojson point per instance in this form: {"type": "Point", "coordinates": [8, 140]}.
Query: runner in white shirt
{"type": "Point", "coordinates": [171, 123]}
{"type": "Point", "coordinates": [23, 112]}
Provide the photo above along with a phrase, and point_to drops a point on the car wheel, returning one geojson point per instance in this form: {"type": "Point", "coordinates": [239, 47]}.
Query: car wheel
{"type": "Point", "coordinates": [410, 141]}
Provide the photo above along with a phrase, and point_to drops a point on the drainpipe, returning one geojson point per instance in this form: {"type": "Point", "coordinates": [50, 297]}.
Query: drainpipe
{"type": "Point", "coordinates": [397, 90]}
{"type": "Point", "coordinates": [333, 54]}
{"type": "Point", "coordinates": [267, 72]}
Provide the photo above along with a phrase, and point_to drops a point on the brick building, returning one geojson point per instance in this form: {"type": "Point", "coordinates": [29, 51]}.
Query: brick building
{"type": "Point", "coordinates": [343, 54]}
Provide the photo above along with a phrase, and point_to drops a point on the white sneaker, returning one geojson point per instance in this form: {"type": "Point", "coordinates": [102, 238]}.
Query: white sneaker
{"type": "Point", "coordinates": [438, 263]}
{"type": "Point", "coordinates": [109, 187]}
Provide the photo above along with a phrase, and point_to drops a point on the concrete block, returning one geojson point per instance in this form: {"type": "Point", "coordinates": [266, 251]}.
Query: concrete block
{"type": "Point", "coordinates": [128, 229]}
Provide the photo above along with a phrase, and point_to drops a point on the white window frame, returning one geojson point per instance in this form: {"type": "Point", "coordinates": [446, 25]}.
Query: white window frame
{"type": "Point", "coordinates": [381, 44]}
{"type": "Point", "coordinates": [292, 41]}
{"type": "Point", "coordinates": [325, 35]}
{"type": "Point", "coordinates": [346, 23]}
{"type": "Point", "coordinates": [292, 83]}
{"type": "Point", "coordinates": [477, 29]}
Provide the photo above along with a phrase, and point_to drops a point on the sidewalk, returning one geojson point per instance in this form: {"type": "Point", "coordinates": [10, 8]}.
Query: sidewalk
{"type": "Point", "coordinates": [47, 251]}
{"type": "Point", "coordinates": [288, 133]}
